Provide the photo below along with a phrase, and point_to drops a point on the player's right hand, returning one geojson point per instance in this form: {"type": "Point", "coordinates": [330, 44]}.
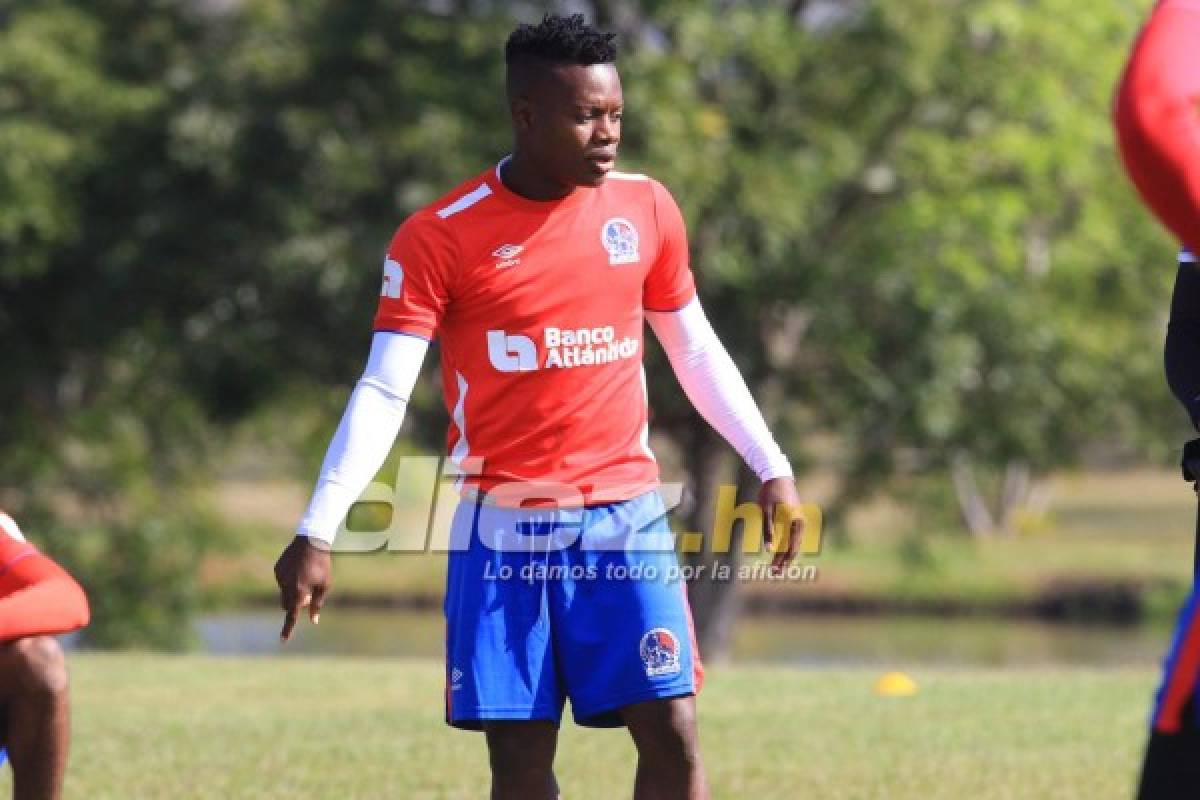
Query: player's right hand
{"type": "Point", "coordinates": [304, 573]}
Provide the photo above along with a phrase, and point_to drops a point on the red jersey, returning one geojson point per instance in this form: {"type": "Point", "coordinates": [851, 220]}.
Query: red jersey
{"type": "Point", "coordinates": [1158, 117]}
{"type": "Point", "coordinates": [37, 597]}
{"type": "Point", "coordinates": [538, 307]}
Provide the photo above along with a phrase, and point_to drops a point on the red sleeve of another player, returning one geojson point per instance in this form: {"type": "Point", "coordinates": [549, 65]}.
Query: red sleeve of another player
{"type": "Point", "coordinates": [669, 284]}
{"type": "Point", "coordinates": [1158, 119]}
{"type": "Point", "coordinates": [417, 277]}
{"type": "Point", "coordinates": [38, 597]}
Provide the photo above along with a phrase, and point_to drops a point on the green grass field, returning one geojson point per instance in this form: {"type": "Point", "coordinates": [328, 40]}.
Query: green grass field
{"type": "Point", "coordinates": [195, 727]}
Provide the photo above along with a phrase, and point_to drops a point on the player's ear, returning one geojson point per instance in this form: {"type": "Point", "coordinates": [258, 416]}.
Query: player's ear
{"type": "Point", "coordinates": [521, 108]}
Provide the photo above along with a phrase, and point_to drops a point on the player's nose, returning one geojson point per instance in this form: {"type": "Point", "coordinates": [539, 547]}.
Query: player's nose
{"type": "Point", "coordinates": [607, 132]}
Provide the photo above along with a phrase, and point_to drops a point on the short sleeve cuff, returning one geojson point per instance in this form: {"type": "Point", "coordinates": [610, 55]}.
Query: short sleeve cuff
{"type": "Point", "coordinates": [419, 330]}
{"type": "Point", "coordinates": [423, 332]}
{"type": "Point", "coordinates": [672, 303]}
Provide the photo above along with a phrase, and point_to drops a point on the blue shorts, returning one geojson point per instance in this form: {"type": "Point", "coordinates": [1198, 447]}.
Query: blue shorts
{"type": "Point", "coordinates": [546, 604]}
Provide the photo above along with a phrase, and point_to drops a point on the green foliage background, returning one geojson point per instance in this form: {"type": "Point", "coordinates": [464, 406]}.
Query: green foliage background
{"type": "Point", "coordinates": [907, 219]}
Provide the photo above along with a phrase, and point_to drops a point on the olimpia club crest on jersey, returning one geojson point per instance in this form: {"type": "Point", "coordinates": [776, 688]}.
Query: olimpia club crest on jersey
{"type": "Point", "coordinates": [620, 239]}
{"type": "Point", "coordinates": [659, 650]}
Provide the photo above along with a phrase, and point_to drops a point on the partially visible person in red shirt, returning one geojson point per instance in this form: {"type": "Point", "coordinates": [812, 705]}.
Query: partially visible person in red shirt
{"type": "Point", "coordinates": [1157, 116]}
{"type": "Point", "coordinates": [38, 600]}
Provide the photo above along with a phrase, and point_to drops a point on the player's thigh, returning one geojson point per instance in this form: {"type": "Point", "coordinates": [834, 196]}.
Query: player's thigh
{"type": "Point", "coordinates": [14, 669]}
{"type": "Point", "coordinates": [521, 744]}
{"type": "Point", "coordinates": [665, 725]}
{"type": "Point", "coordinates": [34, 663]}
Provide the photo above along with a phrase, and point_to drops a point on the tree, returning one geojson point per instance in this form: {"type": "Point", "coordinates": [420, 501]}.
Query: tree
{"type": "Point", "coordinates": [910, 228]}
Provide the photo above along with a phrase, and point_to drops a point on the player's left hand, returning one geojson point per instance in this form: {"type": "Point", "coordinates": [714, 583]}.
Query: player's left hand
{"type": "Point", "coordinates": [774, 493]}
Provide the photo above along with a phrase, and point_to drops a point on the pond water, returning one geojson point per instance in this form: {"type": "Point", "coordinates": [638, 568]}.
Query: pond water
{"type": "Point", "coordinates": [796, 641]}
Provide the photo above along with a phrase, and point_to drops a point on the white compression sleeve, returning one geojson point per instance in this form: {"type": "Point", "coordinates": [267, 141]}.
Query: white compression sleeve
{"type": "Point", "coordinates": [366, 433]}
{"type": "Point", "coordinates": [712, 382]}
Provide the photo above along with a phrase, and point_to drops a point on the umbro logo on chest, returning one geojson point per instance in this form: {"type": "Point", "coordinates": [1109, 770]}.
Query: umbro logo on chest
{"type": "Point", "coordinates": [506, 255]}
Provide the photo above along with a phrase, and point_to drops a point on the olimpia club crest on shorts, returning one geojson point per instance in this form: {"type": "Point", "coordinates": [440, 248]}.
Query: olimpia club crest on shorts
{"type": "Point", "coordinates": [659, 650]}
{"type": "Point", "coordinates": [620, 239]}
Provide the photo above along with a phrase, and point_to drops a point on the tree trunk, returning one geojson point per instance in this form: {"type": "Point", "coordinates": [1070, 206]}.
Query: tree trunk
{"type": "Point", "coordinates": [1015, 495]}
{"type": "Point", "coordinates": [971, 502]}
{"type": "Point", "coordinates": [1019, 491]}
{"type": "Point", "coordinates": [713, 600]}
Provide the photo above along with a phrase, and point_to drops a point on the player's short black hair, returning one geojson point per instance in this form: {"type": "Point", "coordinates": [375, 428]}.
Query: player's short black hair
{"type": "Point", "coordinates": [556, 41]}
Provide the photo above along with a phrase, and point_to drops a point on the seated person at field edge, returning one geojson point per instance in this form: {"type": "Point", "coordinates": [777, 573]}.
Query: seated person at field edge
{"type": "Point", "coordinates": [38, 600]}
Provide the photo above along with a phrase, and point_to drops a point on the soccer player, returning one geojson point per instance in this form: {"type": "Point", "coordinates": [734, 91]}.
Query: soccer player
{"type": "Point", "coordinates": [37, 601]}
{"type": "Point", "coordinates": [1158, 129]}
{"type": "Point", "coordinates": [537, 276]}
